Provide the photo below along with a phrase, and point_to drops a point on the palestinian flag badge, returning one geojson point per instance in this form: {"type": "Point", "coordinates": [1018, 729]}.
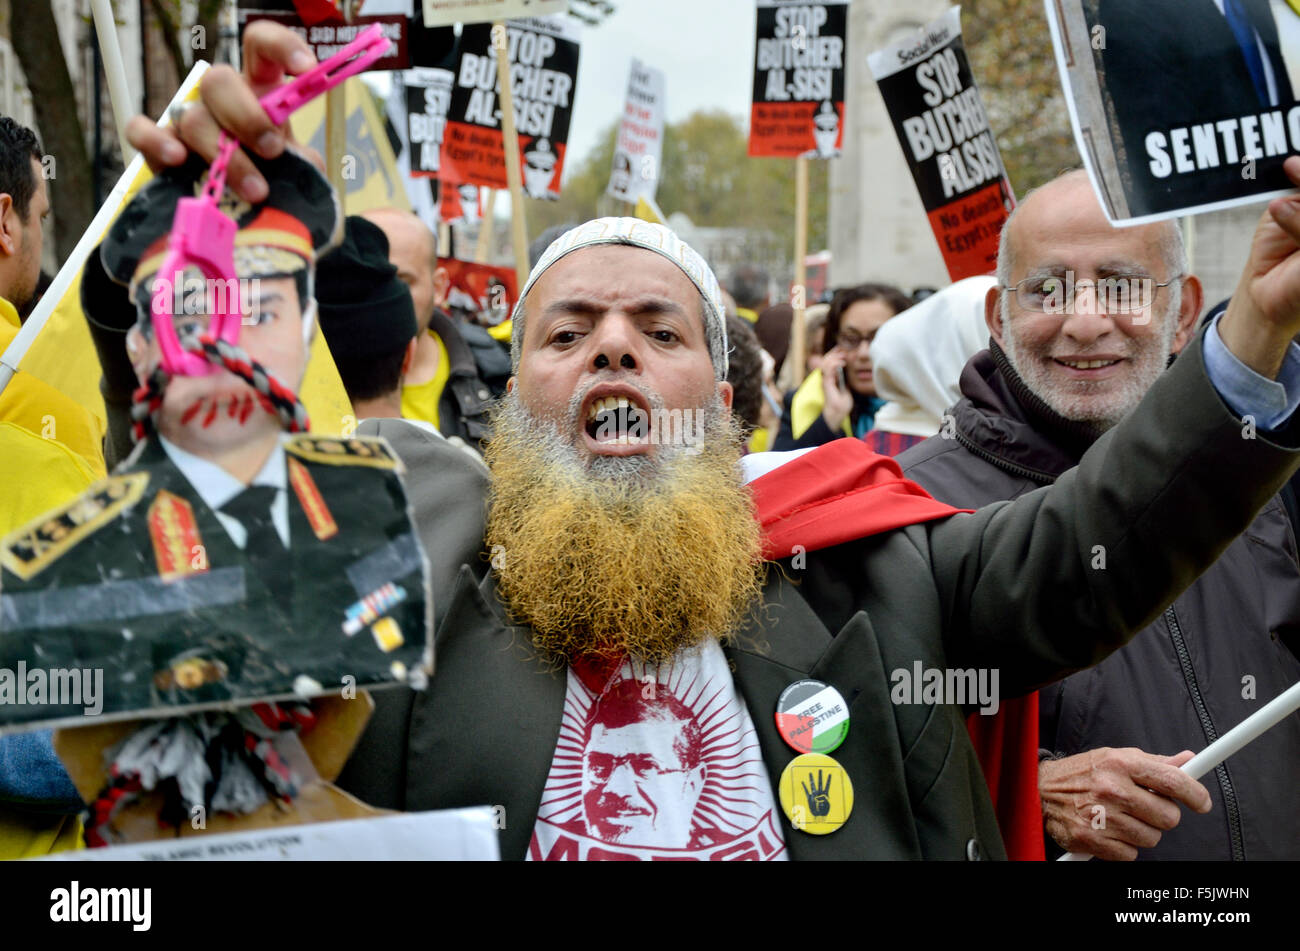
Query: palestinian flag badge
{"type": "Point", "coordinates": [812, 716]}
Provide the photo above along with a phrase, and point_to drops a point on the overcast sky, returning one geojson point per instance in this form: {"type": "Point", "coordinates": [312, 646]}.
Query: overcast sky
{"type": "Point", "coordinates": [706, 48]}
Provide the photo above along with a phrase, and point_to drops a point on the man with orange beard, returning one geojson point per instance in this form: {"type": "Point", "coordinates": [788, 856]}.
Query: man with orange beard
{"type": "Point", "coordinates": [627, 569]}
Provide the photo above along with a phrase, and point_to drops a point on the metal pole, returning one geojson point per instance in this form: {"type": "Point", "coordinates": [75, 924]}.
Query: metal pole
{"type": "Point", "coordinates": [336, 138]}
{"type": "Point", "coordinates": [485, 228]}
{"type": "Point", "coordinates": [98, 144]}
{"type": "Point", "coordinates": [6, 67]}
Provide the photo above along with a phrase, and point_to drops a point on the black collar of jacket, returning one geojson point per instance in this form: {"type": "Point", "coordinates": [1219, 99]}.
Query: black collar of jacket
{"type": "Point", "coordinates": [1011, 425]}
{"type": "Point", "coordinates": [466, 401]}
{"type": "Point", "coordinates": [500, 708]}
{"type": "Point", "coordinates": [459, 358]}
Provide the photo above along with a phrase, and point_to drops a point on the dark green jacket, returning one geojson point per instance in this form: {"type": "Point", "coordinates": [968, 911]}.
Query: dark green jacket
{"type": "Point", "coordinates": [1010, 587]}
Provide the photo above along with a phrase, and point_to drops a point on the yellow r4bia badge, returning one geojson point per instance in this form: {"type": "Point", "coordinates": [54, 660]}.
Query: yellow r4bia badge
{"type": "Point", "coordinates": [816, 794]}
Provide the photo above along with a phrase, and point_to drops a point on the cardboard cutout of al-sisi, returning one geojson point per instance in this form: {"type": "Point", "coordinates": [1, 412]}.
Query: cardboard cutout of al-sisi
{"type": "Point", "coordinates": [172, 586]}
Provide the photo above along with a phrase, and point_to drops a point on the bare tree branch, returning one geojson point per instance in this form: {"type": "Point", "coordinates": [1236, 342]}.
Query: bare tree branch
{"type": "Point", "coordinates": [168, 14]}
{"type": "Point", "coordinates": [55, 103]}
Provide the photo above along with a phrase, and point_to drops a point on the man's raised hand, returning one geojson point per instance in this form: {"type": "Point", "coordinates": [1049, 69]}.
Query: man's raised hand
{"type": "Point", "coordinates": [272, 54]}
{"type": "Point", "coordinates": [1264, 314]}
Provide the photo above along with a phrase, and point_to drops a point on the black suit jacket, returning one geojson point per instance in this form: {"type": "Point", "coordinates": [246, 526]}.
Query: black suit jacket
{"type": "Point", "coordinates": [1010, 588]}
{"type": "Point", "coordinates": [1173, 63]}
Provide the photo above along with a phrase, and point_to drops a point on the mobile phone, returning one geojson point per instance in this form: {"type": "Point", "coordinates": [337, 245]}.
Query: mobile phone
{"type": "Point", "coordinates": [839, 375]}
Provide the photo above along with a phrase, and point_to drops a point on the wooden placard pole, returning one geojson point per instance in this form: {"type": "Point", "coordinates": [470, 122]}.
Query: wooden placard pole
{"type": "Point", "coordinates": [510, 141]}
{"type": "Point", "coordinates": [485, 228]}
{"type": "Point", "coordinates": [799, 294]}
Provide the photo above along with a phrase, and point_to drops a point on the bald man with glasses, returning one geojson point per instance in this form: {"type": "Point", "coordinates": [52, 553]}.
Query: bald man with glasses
{"type": "Point", "coordinates": [1084, 318]}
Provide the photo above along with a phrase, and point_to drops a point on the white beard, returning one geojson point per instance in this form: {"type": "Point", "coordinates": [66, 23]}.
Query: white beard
{"type": "Point", "coordinates": [1103, 401]}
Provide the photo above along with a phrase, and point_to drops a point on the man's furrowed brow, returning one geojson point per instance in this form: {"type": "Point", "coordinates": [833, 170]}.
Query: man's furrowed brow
{"type": "Point", "coordinates": [653, 306]}
{"type": "Point", "coordinates": [1122, 268]}
{"type": "Point", "coordinates": [591, 307]}
{"type": "Point", "coordinates": [581, 306]}
{"type": "Point", "coordinates": [1113, 268]}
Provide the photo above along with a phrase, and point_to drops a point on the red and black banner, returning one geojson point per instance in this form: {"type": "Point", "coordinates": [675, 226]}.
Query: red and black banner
{"type": "Point", "coordinates": [798, 100]}
{"type": "Point", "coordinates": [321, 24]}
{"type": "Point", "coordinates": [941, 124]}
{"type": "Point", "coordinates": [428, 97]}
{"type": "Point", "coordinates": [485, 291]}
{"type": "Point", "coordinates": [543, 56]}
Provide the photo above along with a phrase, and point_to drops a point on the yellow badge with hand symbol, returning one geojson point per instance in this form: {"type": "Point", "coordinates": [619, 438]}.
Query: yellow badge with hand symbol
{"type": "Point", "coordinates": [816, 794]}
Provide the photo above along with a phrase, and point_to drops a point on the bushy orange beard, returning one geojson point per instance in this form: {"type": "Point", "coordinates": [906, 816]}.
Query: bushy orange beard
{"type": "Point", "coordinates": [644, 562]}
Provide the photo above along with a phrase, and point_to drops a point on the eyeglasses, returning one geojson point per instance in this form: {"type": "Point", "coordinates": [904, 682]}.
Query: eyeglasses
{"type": "Point", "coordinates": [601, 766]}
{"type": "Point", "coordinates": [850, 341]}
{"type": "Point", "coordinates": [1113, 295]}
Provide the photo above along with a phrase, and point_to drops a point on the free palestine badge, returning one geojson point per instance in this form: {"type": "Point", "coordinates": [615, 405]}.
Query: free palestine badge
{"type": "Point", "coordinates": [816, 794]}
{"type": "Point", "coordinates": [812, 716]}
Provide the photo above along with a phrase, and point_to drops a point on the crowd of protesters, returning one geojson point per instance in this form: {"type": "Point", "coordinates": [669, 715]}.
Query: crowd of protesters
{"type": "Point", "coordinates": [981, 393]}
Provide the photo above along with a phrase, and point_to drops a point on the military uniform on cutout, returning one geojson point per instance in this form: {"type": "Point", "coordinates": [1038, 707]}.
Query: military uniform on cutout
{"type": "Point", "coordinates": [183, 584]}
{"type": "Point", "coordinates": [139, 577]}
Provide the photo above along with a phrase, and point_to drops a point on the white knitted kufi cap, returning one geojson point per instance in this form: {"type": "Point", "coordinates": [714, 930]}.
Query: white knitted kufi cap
{"type": "Point", "coordinates": [641, 234]}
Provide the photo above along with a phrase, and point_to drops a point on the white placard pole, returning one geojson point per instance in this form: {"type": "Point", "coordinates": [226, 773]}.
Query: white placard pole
{"type": "Point", "coordinates": [1259, 722]}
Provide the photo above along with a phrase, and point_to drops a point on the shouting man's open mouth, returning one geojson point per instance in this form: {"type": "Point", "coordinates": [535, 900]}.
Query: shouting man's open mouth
{"type": "Point", "coordinates": [615, 420]}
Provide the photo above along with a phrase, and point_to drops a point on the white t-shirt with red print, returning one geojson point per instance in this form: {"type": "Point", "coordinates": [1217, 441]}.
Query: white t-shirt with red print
{"type": "Point", "coordinates": [657, 762]}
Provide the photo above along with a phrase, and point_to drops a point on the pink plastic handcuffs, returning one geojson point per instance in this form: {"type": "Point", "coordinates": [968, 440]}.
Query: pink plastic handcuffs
{"type": "Point", "coordinates": [204, 238]}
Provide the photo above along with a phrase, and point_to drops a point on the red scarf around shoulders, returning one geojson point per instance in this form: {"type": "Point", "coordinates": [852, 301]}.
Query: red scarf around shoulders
{"type": "Point", "coordinates": [843, 491]}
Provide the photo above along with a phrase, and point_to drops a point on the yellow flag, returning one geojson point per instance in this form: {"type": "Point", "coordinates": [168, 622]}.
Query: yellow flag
{"type": "Point", "coordinates": [369, 168]}
{"type": "Point", "coordinates": [38, 475]}
{"type": "Point", "coordinates": [647, 210]}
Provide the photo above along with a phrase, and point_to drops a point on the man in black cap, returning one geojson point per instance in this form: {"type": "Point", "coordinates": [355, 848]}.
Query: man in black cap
{"type": "Point", "coordinates": [225, 560]}
{"type": "Point", "coordinates": [368, 320]}
{"type": "Point", "coordinates": [442, 385]}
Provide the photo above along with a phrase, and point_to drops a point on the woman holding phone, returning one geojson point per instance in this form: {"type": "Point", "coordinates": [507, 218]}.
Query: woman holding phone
{"type": "Point", "coordinates": [840, 398]}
